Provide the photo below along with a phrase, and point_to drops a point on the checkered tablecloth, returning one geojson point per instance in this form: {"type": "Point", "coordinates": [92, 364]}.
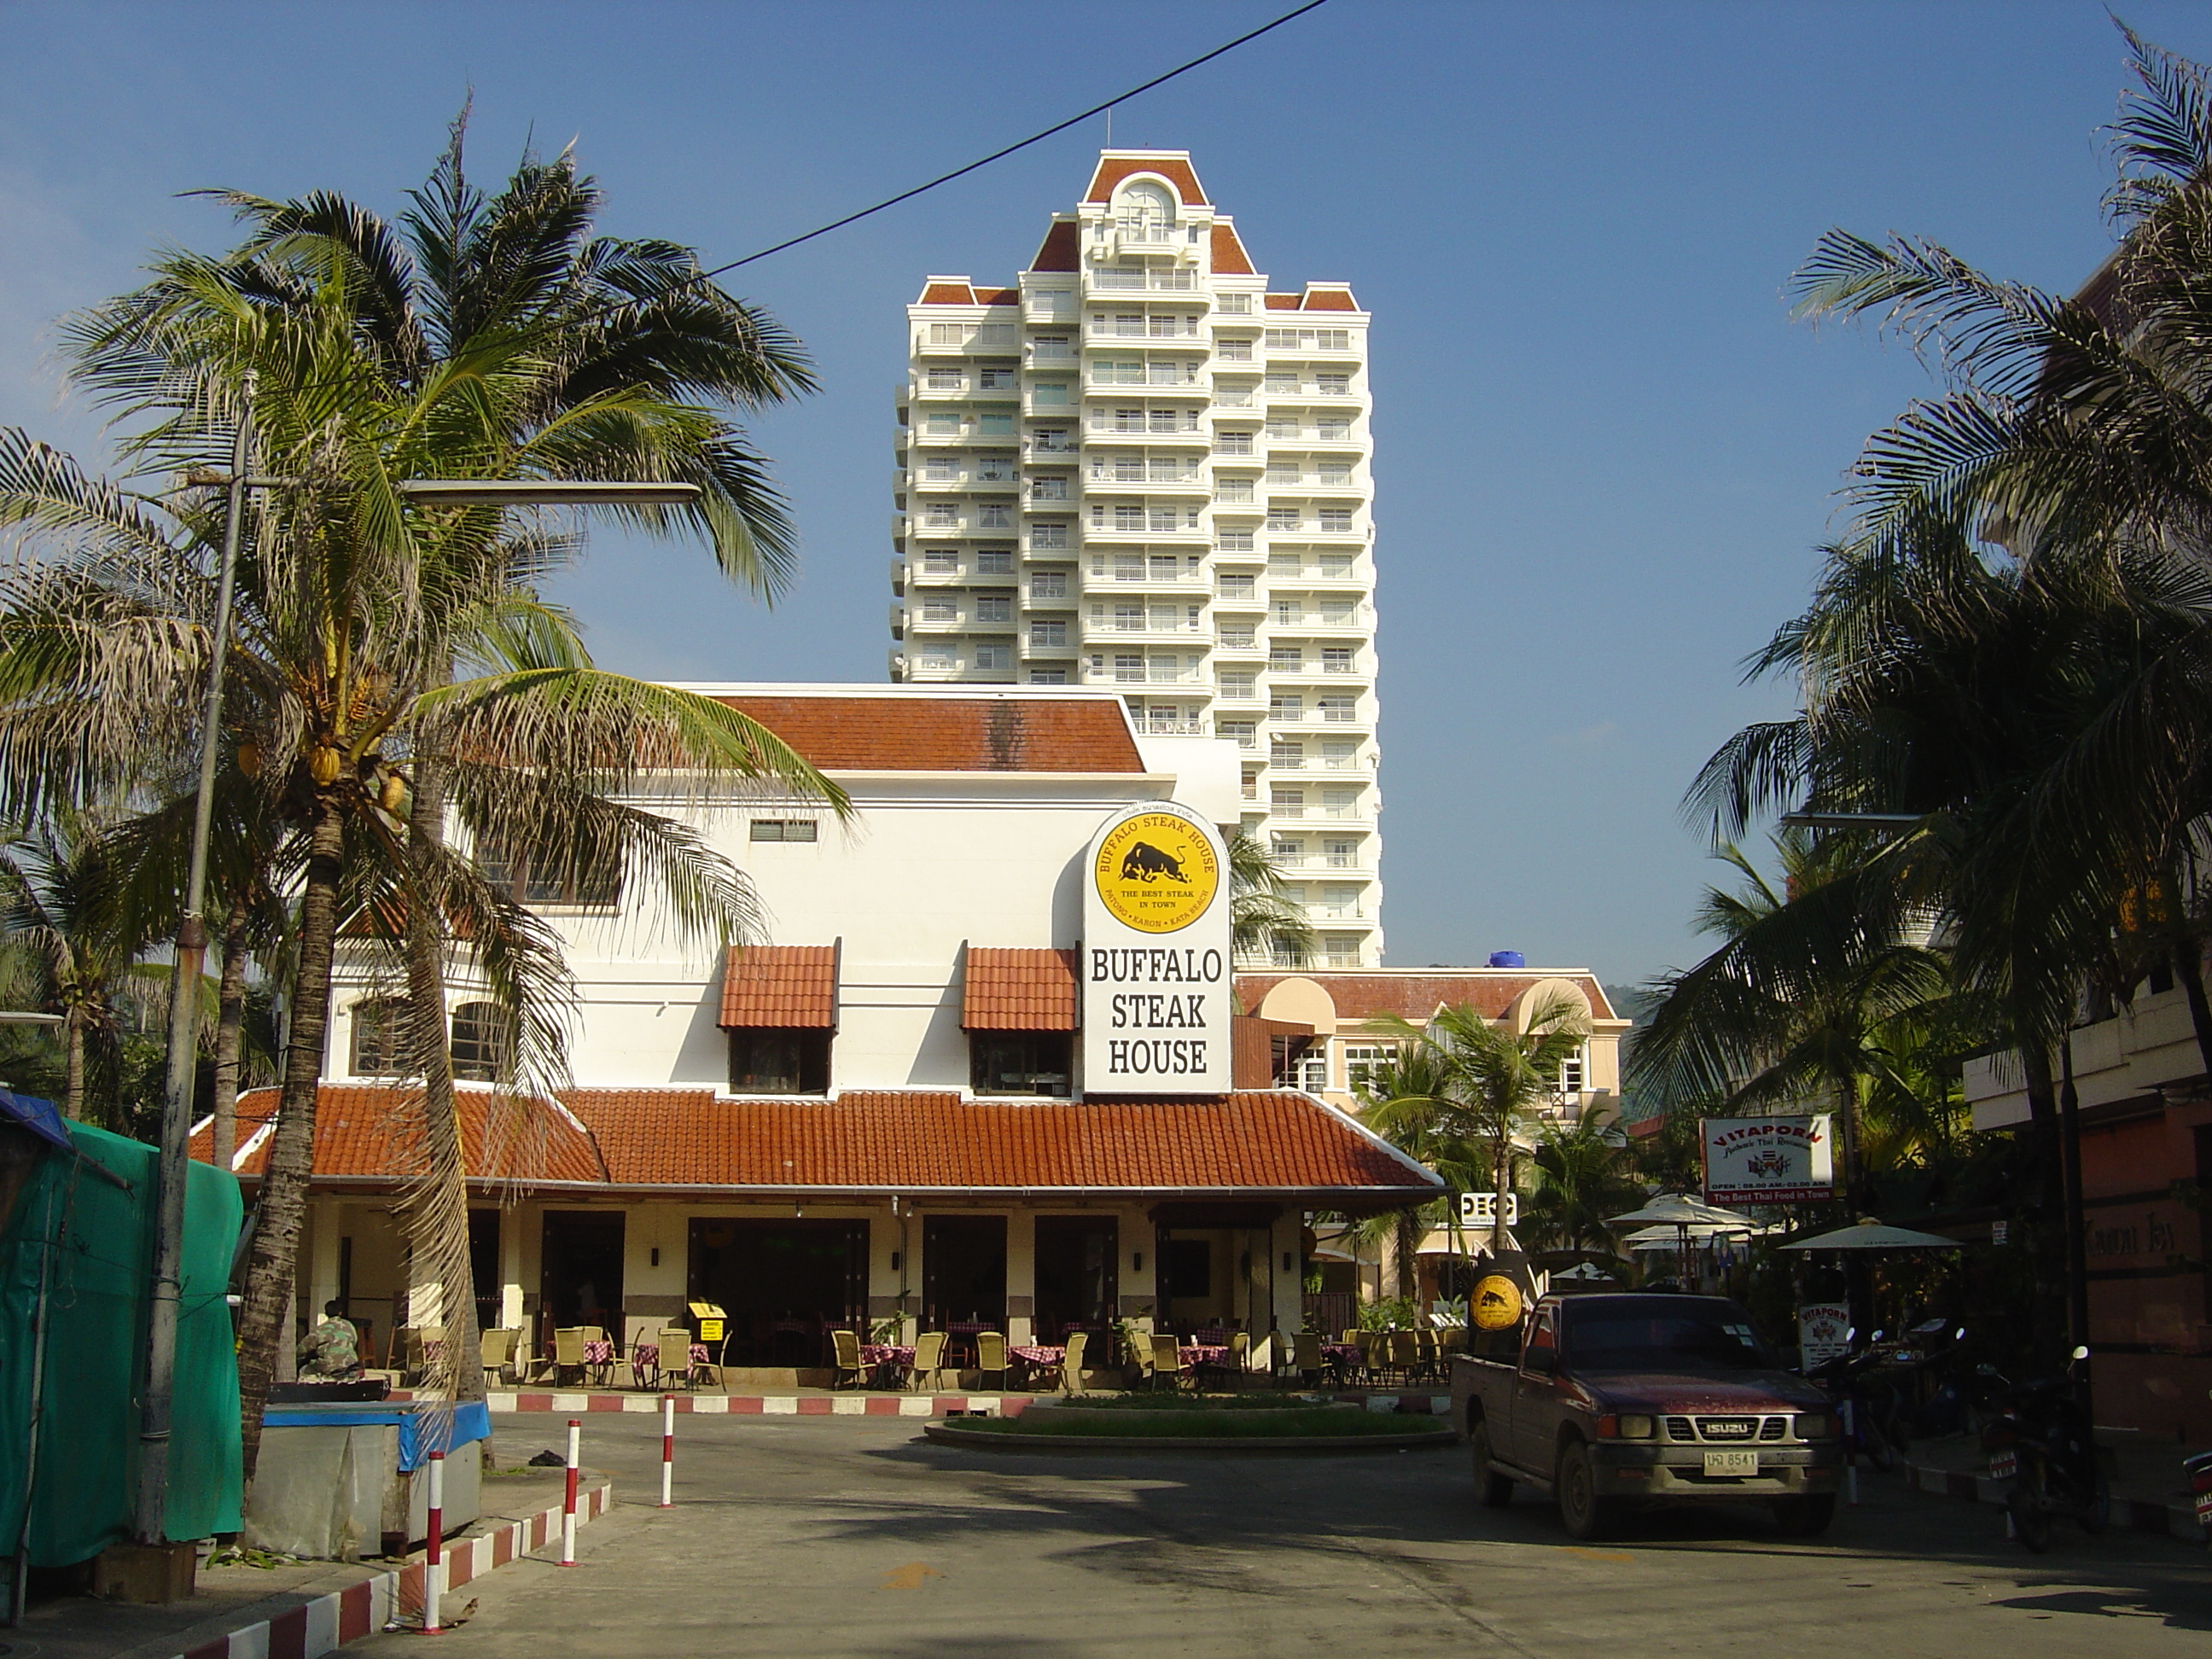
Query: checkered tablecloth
{"type": "Point", "coordinates": [646, 1356]}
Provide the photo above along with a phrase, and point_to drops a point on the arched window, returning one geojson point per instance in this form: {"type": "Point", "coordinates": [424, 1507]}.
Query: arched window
{"type": "Point", "coordinates": [1146, 210]}
{"type": "Point", "coordinates": [379, 1036]}
{"type": "Point", "coordinates": [484, 1042]}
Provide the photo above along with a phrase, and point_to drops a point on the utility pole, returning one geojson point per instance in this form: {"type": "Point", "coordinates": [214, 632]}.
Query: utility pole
{"type": "Point", "coordinates": [174, 1167]}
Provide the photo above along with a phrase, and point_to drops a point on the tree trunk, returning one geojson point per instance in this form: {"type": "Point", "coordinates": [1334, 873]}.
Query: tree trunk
{"type": "Point", "coordinates": [273, 1258]}
{"type": "Point", "coordinates": [437, 1211]}
{"type": "Point", "coordinates": [2048, 1179]}
{"type": "Point", "coordinates": [1501, 1178]}
{"type": "Point", "coordinates": [2189, 968]}
{"type": "Point", "coordinates": [73, 1061]}
{"type": "Point", "coordinates": [229, 1035]}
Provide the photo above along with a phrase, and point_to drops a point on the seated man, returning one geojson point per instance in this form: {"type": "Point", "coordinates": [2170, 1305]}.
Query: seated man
{"type": "Point", "coordinates": [331, 1351]}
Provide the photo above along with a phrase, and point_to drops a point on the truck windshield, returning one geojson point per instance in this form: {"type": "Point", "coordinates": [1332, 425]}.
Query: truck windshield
{"type": "Point", "coordinates": [1664, 1341]}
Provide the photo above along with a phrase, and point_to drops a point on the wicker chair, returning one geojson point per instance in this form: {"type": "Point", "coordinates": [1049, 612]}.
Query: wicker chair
{"type": "Point", "coordinates": [991, 1356]}
{"type": "Point", "coordinates": [1167, 1362]}
{"type": "Point", "coordinates": [1071, 1362]}
{"type": "Point", "coordinates": [845, 1346]}
{"type": "Point", "coordinates": [928, 1359]}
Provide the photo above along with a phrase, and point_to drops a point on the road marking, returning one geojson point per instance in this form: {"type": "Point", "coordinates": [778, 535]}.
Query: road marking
{"type": "Point", "coordinates": [909, 1576]}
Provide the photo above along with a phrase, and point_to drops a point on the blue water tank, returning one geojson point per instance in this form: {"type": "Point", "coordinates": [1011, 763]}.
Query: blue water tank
{"type": "Point", "coordinates": [1508, 959]}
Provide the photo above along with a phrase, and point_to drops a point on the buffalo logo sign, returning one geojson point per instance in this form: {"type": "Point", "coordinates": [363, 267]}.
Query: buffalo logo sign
{"type": "Point", "coordinates": [1496, 1303]}
{"type": "Point", "coordinates": [1157, 872]}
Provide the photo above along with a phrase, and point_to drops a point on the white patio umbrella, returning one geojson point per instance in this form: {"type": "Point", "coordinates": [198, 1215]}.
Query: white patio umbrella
{"type": "Point", "coordinates": [1871, 1235]}
{"type": "Point", "coordinates": [1680, 1210]}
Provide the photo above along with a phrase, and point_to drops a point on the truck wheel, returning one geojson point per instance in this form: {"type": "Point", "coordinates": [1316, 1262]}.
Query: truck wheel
{"type": "Point", "coordinates": [1586, 1514]}
{"type": "Point", "coordinates": [1805, 1517]}
{"type": "Point", "coordinates": [1496, 1490]}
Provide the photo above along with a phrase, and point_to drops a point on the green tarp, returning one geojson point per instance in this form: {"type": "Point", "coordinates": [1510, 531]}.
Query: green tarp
{"type": "Point", "coordinates": [100, 1236]}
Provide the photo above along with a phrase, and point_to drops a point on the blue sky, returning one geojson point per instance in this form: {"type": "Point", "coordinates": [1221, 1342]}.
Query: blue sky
{"type": "Point", "coordinates": [1604, 452]}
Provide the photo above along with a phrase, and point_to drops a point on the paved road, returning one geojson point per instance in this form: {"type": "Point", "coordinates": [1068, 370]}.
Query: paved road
{"type": "Point", "coordinates": [837, 1537]}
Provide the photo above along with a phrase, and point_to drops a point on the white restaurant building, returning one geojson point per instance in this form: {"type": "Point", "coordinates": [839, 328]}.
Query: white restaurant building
{"type": "Point", "coordinates": [880, 1107]}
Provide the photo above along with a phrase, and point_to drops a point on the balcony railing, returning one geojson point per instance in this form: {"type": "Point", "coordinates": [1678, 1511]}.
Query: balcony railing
{"type": "Point", "coordinates": [1156, 471]}
{"type": "Point", "coordinates": [1106, 279]}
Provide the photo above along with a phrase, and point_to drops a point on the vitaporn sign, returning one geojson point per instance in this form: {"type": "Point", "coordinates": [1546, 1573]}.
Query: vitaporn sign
{"type": "Point", "coordinates": [1158, 994]}
{"type": "Point", "coordinates": [1767, 1160]}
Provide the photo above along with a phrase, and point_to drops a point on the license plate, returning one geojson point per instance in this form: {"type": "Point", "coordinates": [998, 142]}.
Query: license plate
{"type": "Point", "coordinates": [1732, 1462]}
{"type": "Point", "coordinates": [2204, 1509]}
{"type": "Point", "coordinates": [2005, 1466]}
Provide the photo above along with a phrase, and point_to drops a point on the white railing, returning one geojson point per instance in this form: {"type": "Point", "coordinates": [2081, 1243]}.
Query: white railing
{"type": "Point", "coordinates": [1152, 727]}
{"type": "Point", "coordinates": [1158, 472]}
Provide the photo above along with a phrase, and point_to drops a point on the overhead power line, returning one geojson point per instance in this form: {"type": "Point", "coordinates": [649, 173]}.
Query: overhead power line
{"type": "Point", "coordinates": [1034, 138]}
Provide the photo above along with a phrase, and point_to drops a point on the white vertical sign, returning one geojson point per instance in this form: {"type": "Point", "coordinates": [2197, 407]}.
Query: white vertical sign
{"type": "Point", "coordinates": [1158, 994]}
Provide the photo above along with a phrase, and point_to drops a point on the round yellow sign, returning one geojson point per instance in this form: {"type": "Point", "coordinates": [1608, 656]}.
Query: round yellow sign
{"type": "Point", "coordinates": [1496, 1303]}
{"type": "Point", "coordinates": [1157, 872]}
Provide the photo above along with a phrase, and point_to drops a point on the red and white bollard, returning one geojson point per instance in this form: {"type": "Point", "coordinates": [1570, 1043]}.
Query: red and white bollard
{"type": "Point", "coordinates": [434, 1558]}
{"type": "Point", "coordinates": [668, 1451]}
{"type": "Point", "coordinates": [568, 1497]}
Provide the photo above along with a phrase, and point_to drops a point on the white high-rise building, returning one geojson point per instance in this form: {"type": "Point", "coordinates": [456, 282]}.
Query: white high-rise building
{"type": "Point", "coordinates": [1141, 468]}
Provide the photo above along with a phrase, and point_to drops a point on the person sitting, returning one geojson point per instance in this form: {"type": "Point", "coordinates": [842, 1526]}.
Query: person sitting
{"type": "Point", "coordinates": [331, 1351]}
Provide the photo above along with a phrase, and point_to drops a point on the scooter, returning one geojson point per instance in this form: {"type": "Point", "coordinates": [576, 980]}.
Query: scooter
{"type": "Point", "coordinates": [1866, 1407]}
{"type": "Point", "coordinates": [2042, 1443]}
{"type": "Point", "coordinates": [2199, 1471]}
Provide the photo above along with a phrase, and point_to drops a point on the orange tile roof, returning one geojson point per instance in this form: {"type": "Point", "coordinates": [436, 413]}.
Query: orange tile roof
{"type": "Point", "coordinates": [1282, 301]}
{"type": "Point", "coordinates": [1270, 1141]}
{"type": "Point", "coordinates": [1415, 997]}
{"type": "Point", "coordinates": [1020, 990]}
{"type": "Point", "coordinates": [1113, 169]}
{"type": "Point", "coordinates": [366, 1131]}
{"type": "Point", "coordinates": [999, 296]}
{"type": "Point", "coordinates": [1062, 249]}
{"type": "Point", "coordinates": [1331, 298]}
{"type": "Point", "coordinates": [1229, 255]}
{"type": "Point", "coordinates": [785, 987]}
{"type": "Point", "coordinates": [860, 734]}
{"type": "Point", "coordinates": [947, 294]}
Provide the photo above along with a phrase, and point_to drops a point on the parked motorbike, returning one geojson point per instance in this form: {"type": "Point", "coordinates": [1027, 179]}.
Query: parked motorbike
{"type": "Point", "coordinates": [2041, 1441]}
{"type": "Point", "coordinates": [1871, 1407]}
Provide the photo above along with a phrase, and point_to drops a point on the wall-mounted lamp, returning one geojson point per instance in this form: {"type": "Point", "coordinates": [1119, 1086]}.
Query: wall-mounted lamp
{"type": "Point", "coordinates": [1287, 1262]}
{"type": "Point", "coordinates": [895, 1261]}
{"type": "Point", "coordinates": [1136, 1262]}
{"type": "Point", "coordinates": [656, 1255]}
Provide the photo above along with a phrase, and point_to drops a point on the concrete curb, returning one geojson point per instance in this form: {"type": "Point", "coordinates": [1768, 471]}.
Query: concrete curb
{"type": "Point", "coordinates": [862, 1404]}
{"type": "Point", "coordinates": [2135, 1514]}
{"type": "Point", "coordinates": [329, 1621]}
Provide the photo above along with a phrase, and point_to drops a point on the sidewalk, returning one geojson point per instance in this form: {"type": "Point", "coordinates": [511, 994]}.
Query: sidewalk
{"type": "Point", "coordinates": [2148, 1492]}
{"type": "Point", "coordinates": [824, 1402]}
{"type": "Point", "coordinates": [300, 1610]}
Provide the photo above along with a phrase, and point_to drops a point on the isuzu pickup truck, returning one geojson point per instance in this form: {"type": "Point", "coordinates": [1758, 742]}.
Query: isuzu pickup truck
{"type": "Point", "coordinates": [1608, 1401]}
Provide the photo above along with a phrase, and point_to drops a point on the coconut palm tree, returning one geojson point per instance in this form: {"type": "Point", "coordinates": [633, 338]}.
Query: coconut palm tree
{"type": "Point", "coordinates": [1581, 1177]}
{"type": "Point", "coordinates": [1266, 925]}
{"type": "Point", "coordinates": [1473, 1084]}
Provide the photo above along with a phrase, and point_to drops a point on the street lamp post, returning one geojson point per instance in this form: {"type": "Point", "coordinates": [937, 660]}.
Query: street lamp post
{"type": "Point", "coordinates": [157, 1409]}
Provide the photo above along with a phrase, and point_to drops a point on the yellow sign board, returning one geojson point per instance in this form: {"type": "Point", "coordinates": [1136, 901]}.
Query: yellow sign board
{"type": "Point", "coordinates": [1157, 872]}
{"type": "Point", "coordinates": [710, 1319]}
{"type": "Point", "coordinates": [1496, 1303]}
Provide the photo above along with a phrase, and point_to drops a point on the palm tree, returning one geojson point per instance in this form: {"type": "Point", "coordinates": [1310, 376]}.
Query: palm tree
{"type": "Point", "coordinates": [1476, 1083]}
{"type": "Point", "coordinates": [1399, 1101]}
{"type": "Point", "coordinates": [1266, 923]}
{"type": "Point", "coordinates": [486, 338]}
{"type": "Point", "coordinates": [1582, 1177]}
{"type": "Point", "coordinates": [68, 939]}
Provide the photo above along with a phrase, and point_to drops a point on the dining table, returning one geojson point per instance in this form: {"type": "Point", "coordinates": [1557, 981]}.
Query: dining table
{"type": "Point", "coordinates": [1037, 1356]}
{"type": "Point", "coordinates": [645, 1357]}
{"type": "Point", "coordinates": [1204, 1353]}
{"type": "Point", "coordinates": [881, 1357]}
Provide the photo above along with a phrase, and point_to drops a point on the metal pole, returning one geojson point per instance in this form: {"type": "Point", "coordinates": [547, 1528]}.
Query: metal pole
{"type": "Point", "coordinates": [184, 1010]}
{"type": "Point", "coordinates": [568, 1495]}
{"type": "Point", "coordinates": [2076, 1222]}
{"type": "Point", "coordinates": [667, 1448]}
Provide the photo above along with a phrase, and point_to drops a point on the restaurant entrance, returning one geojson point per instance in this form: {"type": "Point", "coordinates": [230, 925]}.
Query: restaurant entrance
{"type": "Point", "coordinates": [582, 1283]}
{"type": "Point", "coordinates": [1078, 1282]}
{"type": "Point", "coordinates": [784, 1284]}
{"type": "Point", "coordinates": [963, 1271]}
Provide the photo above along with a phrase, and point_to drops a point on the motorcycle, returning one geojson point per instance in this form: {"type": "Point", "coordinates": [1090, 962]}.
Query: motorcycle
{"type": "Point", "coordinates": [2041, 1441]}
{"type": "Point", "coordinates": [1870, 1408]}
{"type": "Point", "coordinates": [2199, 1471]}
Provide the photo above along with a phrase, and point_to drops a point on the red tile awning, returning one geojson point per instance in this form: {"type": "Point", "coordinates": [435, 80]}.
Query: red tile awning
{"type": "Point", "coordinates": [1024, 990]}
{"type": "Point", "coordinates": [781, 987]}
{"type": "Point", "coordinates": [1275, 1145]}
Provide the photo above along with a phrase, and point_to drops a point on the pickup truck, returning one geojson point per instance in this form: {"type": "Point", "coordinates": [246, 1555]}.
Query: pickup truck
{"type": "Point", "coordinates": [1609, 1401]}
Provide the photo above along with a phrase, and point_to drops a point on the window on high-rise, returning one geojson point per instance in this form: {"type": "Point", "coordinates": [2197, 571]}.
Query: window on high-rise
{"type": "Point", "coordinates": [948, 334]}
{"type": "Point", "coordinates": [1045, 632]}
{"type": "Point", "coordinates": [939, 611]}
{"type": "Point", "coordinates": [1172, 420]}
{"type": "Point", "coordinates": [1290, 754]}
{"type": "Point", "coordinates": [994, 380]}
{"type": "Point", "coordinates": [991, 656]}
{"type": "Point", "coordinates": [1237, 636]}
{"type": "Point", "coordinates": [1334, 474]}
{"type": "Point", "coordinates": [1048, 535]}
{"type": "Point", "coordinates": [1336, 566]}
{"type": "Point", "coordinates": [1234, 490]}
{"type": "Point", "coordinates": [1126, 515]}
{"type": "Point", "coordinates": [1336, 659]}
{"type": "Point", "coordinates": [1340, 711]}
{"type": "Point", "coordinates": [1161, 518]}
{"type": "Point", "coordinates": [1341, 855]}
{"type": "Point", "coordinates": [1233, 351]}
{"type": "Point", "coordinates": [1051, 441]}
{"type": "Point", "coordinates": [1048, 394]}
{"type": "Point", "coordinates": [945, 380]}
{"type": "Point", "coordinates": [1340, 755]}
{"type": "Point", "coordinates": [1232, 541]}
{"type": "Point", "coordinates": [1287, 710]}
{"type": "Point", "coordinates": [1281, 427]}
{"type": "Point", "coordinates": [944, 423]}
{"type": "Point", "coordinates": [944, 515]}
{"type": "Point", "coordinates": [937, 563]}
{"type": "Point", "coordinates": [1048, 489]}
{"type": "Point", "coordinates": [1289, 613]}
{"type": "Point", "coordinates": [1334, 431]}
{"type": "Point", "coordinates": [1048, 677]}
{"type": "Point", "coordinates": [1284, 472]}
{"type": "Point", "coordinates": [995, 426]}
{"type": "Point", "coordinates": [1335, 520]}
{"type": "Point", "coordinates": [1048, 585]}
{"type": "Point", "coordinates": [1284, 564]}
{"type": "Point", "coordinates": [1287, 803]}
{"type": "Point", "coordinates": [1233, 305]}
{"type": "Point", "coordinates": [1129, 666]}
{"type": "Point", "coordinates": [1282, 517]}
{"type": "Point", "coordinates": [1239, 684]}
{"type": "Point", "coordinates": [993, 608]}
{"type": "Point", "coordinates": [941, 469]}
{"type": "Point", "coordinates": [1333, 386]}
{"type": "Point", "coordinates": [1244, 733]}
{"type": "Point", "coordinates": [1232, 443]}
{"type": "Point", "coordinates": [1052, 346]}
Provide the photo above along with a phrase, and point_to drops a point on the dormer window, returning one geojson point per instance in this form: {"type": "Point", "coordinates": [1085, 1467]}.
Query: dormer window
{"type": "Point", "coordinates": [1145, 212]}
